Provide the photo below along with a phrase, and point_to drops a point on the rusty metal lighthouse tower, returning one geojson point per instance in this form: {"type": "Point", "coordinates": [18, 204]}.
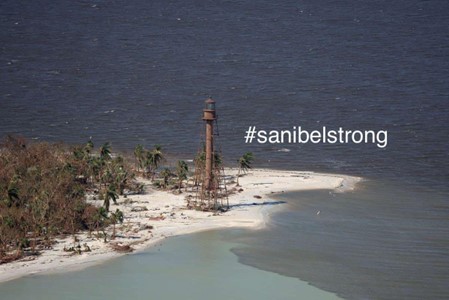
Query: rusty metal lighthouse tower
{"type": "Point", "coordinates": [209, 117]}
{"type": "Point", "coordinates": [209, 180]}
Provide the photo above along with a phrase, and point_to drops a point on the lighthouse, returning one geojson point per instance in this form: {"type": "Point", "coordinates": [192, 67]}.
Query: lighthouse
{"type": "Point", "coordinates": [209, 179]}
{"type": "Point", "coordinates": [209, 117]}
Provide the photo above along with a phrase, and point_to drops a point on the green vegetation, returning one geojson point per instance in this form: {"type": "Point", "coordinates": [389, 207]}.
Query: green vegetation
{"type": "Point", "coordinates": [148, 160]}
{"type": "Point", "coordinates": [200, 159]}
{"type": "Point", "coordinates": [182, 170]}
{"type": "Point", "coordinates": [166, 174]}
{"type": "Point", "coordinates": [140, 157]}
{"type": "Point", "coordinates": [244, 162]}
{"type": "Point", "coordinates": [43, 191]}
{"type": "Point", "coordinates": [116, 217]}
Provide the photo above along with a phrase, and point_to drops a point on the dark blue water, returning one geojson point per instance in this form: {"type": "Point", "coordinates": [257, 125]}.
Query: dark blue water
{"type": "Point", "coordinates": [138, 72]}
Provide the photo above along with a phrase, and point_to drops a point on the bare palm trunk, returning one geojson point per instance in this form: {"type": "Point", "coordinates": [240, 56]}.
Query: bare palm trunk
{"type": "Point", "coordinates": [238, 175]}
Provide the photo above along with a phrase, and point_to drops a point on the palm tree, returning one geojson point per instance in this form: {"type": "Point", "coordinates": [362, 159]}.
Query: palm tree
{"type": "Point", "coordinates": [79, 153]}
{"type": "Point", "coordinates": [139, 154]}
{"type": "Point", "coordinates": [100, 218]}
{"type": "Point", "coordinates": [105, 151]}
{"type": "Point", "coordinates": [154, 158]}
{"type": "Point", "coordinates": [116, 217]}
{"type": "Point", "coordinates": [244, 163]}
{"type": "Point", "coordinates": [181, 172]}
{"type": "Point", "coordinates": [95, 166]}
{"type": "Point", "coordinates": [200, 159]}
{"type": "Point", "coordinates": [218, 161]}
{"type": "Point", "coordinates": [200, 163]}
{"type": "Point", "coordinates": [166, 174]}
{"type": "Point", "coordinates": [120, 177]}
{"type": "Point", "coordinates": [110, 194]}
{"type": "Point", "coordinates": [88, 147]}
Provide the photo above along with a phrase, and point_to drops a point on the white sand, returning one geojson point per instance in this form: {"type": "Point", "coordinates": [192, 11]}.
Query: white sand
{"type": "Point", "coordinates": [178, 220]}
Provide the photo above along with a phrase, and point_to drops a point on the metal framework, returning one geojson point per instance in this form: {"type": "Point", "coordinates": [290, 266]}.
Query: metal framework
{"type": "Point", "coordinates": [209, 181]}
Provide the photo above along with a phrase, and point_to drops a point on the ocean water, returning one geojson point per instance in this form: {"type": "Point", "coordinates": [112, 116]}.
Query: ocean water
{"type": "Point", "coordinates": [138, 72]}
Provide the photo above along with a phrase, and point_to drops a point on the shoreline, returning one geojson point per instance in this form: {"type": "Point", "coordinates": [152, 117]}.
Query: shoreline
{"type": "Point", "coordinates": [156, 215]}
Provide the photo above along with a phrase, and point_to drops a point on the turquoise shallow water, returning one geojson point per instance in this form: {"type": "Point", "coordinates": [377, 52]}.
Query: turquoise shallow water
{"type": "Point", "coordinates": [197, 266]}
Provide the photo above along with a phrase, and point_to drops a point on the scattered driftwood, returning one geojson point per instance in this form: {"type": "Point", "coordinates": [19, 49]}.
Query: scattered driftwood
{"type": "Point", "coordinates": [25, 255]}
{"type": "Point", "coordinates": [139, 208]}
{"type": "Point", "coordinates": [257, 197]}
{"type": "Point", "coordinates": [157, 218]}
{"type": "Point", "coordinates": [9, 258]}
{"type": "Point", "coordinates": [77, 249]}
{"type": "Point", "coordinates": [146, 227]}
{"type": "Point", "coordinates": [122, 248]}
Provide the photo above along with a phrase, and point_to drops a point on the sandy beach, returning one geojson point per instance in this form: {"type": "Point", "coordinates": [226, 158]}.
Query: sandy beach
{"type": "Point", "coordinates": [156, 215]}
